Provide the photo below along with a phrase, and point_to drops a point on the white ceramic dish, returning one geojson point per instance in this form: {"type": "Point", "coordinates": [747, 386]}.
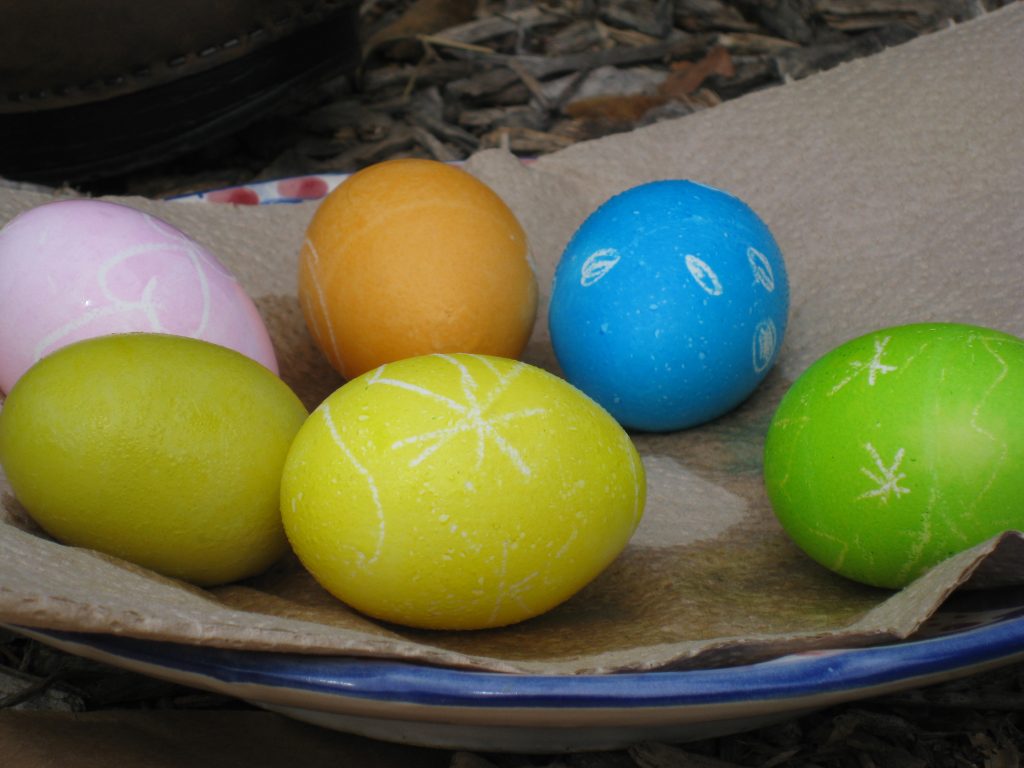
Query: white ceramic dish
{"type": "Point", "coordinates": [455, 709]}
{"type": "Point", "coordinates": [458, 709]}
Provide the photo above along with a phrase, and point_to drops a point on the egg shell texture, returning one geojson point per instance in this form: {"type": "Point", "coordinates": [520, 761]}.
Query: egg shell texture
{"type": "Point", "coordinates": [409, 257]}
{"type": "Point", "coordinates": [459, 491]}
{"type": "Point", "coordinates": [162, 450]}
{"type": "Point", "coordinates": [75, 269]}
{"type": "Point", "coordinates": [669, 304]}
{"type": "Point", "coordinates": [901, 448]}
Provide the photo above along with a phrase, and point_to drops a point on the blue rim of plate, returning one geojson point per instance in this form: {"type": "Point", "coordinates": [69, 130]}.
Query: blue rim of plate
{"type": "Point", "coordinates": [793, 676]}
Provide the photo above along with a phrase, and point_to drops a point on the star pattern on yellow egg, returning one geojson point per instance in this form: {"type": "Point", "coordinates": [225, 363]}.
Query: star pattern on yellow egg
{"type": "Point", "coordinates": [473, 414]}
{"type": "Point", "coordinates": [459, 491]}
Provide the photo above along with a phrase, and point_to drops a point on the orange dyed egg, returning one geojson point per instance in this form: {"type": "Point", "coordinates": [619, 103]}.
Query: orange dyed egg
{"type": "Point", "coordinates": [409, 257]}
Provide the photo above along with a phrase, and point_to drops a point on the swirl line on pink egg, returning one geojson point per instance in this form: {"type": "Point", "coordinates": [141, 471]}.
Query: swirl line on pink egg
{"type": "Point", "coordinates": [145, 304]}
{"type": "Point", "coordinates": [159, 225]}
{"type": "Point", "coordinates": [52, 341]}
{"type": "Point", "coordinates": [197, 258]}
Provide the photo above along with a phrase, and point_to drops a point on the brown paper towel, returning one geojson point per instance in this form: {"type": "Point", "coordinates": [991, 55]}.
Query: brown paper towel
{"type": "Point", "coordinates": [893, 186]}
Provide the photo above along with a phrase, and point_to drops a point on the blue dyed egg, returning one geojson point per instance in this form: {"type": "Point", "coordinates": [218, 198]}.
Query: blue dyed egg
{"type": "Point", "coordinates": [669, 305]}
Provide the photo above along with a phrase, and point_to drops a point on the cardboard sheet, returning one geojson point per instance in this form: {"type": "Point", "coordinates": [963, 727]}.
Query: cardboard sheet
{"type": "Point", "coordinates": [893, 186]}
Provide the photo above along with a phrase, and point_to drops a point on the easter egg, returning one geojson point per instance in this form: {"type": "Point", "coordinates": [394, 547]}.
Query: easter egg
{"type": "Point", "coordinates": [410, 257]}
{"type": "Point", "coordinates": [669, 305]}
{"type": "Point", "coordinates": [75, 269]}
{"type": "Point", "coordinates": [459, 491]}
{"type": "Point", "coordinates": [901, 448]}
{"type": "Point", "coordinates": [162, 450]}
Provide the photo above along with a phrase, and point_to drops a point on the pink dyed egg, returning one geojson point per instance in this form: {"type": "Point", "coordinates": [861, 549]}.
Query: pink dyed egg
{"type": "Point", "coordinates": [77, 269]}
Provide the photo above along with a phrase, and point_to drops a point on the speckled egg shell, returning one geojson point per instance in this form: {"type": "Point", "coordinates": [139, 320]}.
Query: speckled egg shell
{"type": "Point", "coordinates": [459, 491]}
{"type": "Point", "coordinates": [901, 448]}
{"type": "Point", "coordinates": [411, 256]}
{"type": "Point", "coordinates": [163, 450]}
{"type": "Point", "coordinates": [76, 269]}
{"type": "Point", "coordinates": [669, 305]}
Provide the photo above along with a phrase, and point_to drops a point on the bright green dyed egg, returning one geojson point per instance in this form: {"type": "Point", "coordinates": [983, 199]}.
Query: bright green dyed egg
{"type": "Point", "coordinates": [901, 448]}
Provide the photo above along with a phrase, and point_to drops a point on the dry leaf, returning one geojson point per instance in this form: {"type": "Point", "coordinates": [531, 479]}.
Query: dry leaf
{"type": "Point", "coordinates": [615, 109]}
{"type": "Point", "coordinates": [684, 79]}
{"type": "Point", "coordinates": [424, 17]}
{"type": "Point", "coordinates": [687, 76]}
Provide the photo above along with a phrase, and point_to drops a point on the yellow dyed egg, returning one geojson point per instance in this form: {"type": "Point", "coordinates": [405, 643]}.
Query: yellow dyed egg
{"type": "Point", "coordinates": [162, 450]}
{"type": "Point", "coordinates": [459, 491]}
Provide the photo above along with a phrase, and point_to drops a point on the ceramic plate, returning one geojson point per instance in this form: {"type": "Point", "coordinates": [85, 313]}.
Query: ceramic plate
{"type": "Point", "coordinates": [295, 189]}
{"type": "Point", "coordinates": [458, 709]}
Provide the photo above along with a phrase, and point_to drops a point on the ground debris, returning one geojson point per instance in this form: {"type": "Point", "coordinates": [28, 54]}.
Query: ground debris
{"type": "Point", "coordinates": [36, 677]}
{"type": "Point", "coordinates": [535, 78]}
{"type": "Point", "coordinates": [906, 730]}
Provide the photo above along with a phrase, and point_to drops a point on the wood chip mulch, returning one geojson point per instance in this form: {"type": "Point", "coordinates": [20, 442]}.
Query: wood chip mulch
{"type": "Point", "coordinates": [445, 78]}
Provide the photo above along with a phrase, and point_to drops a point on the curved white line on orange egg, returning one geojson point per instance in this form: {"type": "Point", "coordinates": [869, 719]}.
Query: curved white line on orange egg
{"type": "Point", "coordinates": [322, 301]}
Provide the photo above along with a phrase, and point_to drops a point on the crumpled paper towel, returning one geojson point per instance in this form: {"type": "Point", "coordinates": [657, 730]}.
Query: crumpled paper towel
{"type": "Point", "coordinates": [893, 185]}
